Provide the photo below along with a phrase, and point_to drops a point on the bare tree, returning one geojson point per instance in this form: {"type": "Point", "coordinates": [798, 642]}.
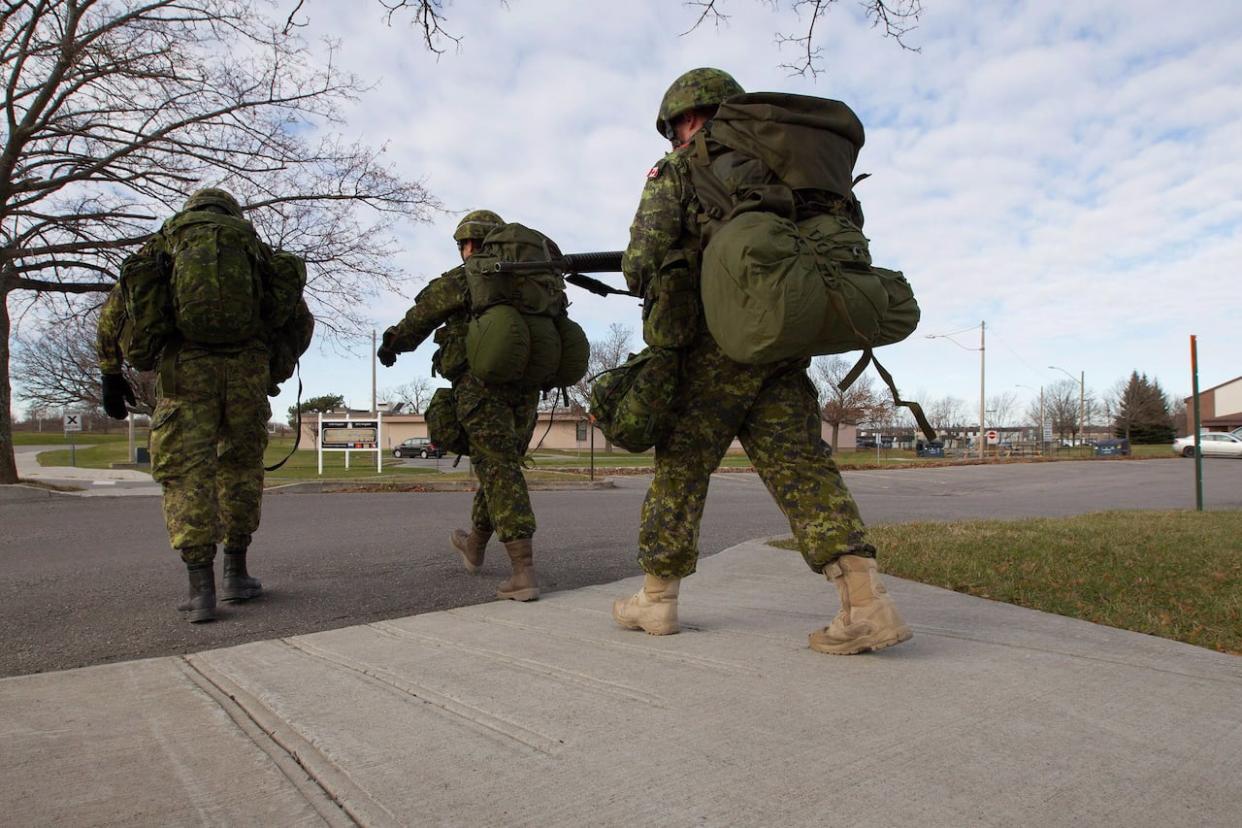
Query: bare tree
{"type": "Point", "coordinates": [897, 17]}
{"type": "Point", "coordinates": [414, 395]}
{"type": "Point", "coordinates": [856, 404]}
{"type": "Point", "coordinates": [1000, 410]}
{"type": "Point", "coordinates": [117, 109]}
{"type": "Point", "coordinates": [1061, 407]}
{"type": "Point", "coordinates": [59, 368]}
{"type": "Point", "coordinates": [606, 354]}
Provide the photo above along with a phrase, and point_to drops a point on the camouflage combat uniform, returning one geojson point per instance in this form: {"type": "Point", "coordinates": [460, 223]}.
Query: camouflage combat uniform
{"type": "Point", "coordinates": [773, 409]}
{"type": "Point", "coordinates": [208, 435]}
{"type": "Point", "coordinates": [499, 419]}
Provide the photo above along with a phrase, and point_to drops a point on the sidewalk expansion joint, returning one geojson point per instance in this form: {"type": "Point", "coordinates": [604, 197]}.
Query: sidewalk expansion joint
{"type": "Point", "coordinates": [334, 795]}
{"type": "Point", "coordinates": [506, 732]}
{"type": "Point", "coordinates": [648, 649]}
{"type": "Point", "coordinates": [579, 679]}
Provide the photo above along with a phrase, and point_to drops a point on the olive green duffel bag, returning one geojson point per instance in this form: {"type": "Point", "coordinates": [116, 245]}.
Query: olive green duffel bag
{"type": "Point", "coordinates": [633, 403]}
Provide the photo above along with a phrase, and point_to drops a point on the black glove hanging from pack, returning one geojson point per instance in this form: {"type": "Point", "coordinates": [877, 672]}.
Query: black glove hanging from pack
{"type": "Point", "coordinates": [116, 392]}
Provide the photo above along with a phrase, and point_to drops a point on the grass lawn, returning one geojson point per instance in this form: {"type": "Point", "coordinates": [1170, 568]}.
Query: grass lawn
{"type": "Point", "coordinates": [56, 438]}
{"type": "Point", "coordinates": [1176, 575]}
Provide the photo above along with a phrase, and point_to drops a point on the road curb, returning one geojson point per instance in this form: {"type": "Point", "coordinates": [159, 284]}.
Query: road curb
{"type": "Point", "coordinates": [347, 487]}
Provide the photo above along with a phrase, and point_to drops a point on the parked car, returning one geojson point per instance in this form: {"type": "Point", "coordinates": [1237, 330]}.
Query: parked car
{"type": "Point", "coordinates": [418, 447]}
{"type": "Point", "coordinates": [1212, 443]}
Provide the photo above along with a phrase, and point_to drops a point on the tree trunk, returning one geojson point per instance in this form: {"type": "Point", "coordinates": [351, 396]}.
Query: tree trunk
{"type": "Point", "coordinates": [8, 465]}
{"type": "Point", "coordinates": [835, 428]}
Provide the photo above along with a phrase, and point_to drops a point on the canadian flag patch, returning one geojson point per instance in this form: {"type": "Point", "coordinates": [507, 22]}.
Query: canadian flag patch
{"type": "Point", "coordinates": [654, 172]}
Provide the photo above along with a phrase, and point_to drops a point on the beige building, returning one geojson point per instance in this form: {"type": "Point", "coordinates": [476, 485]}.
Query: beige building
{"type": "Point", "coordinates": [561, 430]}
{"type": "Point", "coordinates": [1220, 407]}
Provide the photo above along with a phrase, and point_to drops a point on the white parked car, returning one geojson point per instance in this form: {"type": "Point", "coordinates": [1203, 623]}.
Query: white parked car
{"type": "Point", "coordinates": [1213, 443]}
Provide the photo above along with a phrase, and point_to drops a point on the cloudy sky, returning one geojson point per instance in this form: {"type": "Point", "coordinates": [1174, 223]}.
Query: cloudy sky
{"type": "Point", "coordinates": [1070, 173]}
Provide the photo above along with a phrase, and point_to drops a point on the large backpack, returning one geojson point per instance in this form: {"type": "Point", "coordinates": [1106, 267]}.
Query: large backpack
{"type": "Point", "coordinates": [207, 279]}
{"type": "Point", "coordinates": [217, 277]}
{"type": "Point", "coordinates": [520, 330]}
{"type": "Point", "coordinates": [786, 269]}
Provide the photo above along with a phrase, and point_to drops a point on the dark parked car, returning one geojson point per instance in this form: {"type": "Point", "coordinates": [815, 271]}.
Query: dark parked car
{"type": "Point", "coordinates": [418, 447]}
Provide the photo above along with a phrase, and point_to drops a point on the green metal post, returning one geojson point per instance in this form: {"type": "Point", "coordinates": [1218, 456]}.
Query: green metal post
{"type": "Point", "coordinates": [1194, 390]}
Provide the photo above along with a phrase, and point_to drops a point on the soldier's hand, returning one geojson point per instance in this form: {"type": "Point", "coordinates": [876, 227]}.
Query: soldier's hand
{"type": "Point", "coordinates": [116, 392]}
{"type": "Point", "coordinates": [387, 356]}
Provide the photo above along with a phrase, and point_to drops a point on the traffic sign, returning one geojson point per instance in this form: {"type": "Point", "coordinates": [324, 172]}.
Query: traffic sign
{"type": "Point", "coordinates": [993, 436]}
{"type": "Point", "coordinates": [73, 422]}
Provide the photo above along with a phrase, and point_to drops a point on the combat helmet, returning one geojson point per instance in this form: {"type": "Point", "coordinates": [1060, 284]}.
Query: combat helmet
{"type": "Point", "coordinates": [476, 224]}
{"type": "Point", "coordinates": [698, 87]}
{"type": "Point", "coordinates": [213, 197]}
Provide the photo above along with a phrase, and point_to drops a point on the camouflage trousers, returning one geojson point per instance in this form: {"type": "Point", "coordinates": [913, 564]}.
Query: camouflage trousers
{"type": "Point", "coordinates": [208, 434]}
{"type": "Point", "coordinates": [499, 421]}
{"type": "Point", "coordinates": [773, 410]}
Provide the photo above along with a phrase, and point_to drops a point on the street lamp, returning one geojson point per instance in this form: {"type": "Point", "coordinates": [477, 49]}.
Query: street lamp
{"type": "Point", "coordinates": [1082, 399]}
{"type": "Point", "coordinates": [982, 327]}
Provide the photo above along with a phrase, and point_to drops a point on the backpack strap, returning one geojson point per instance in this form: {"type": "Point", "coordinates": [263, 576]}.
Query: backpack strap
{"type": "Point", "coordinates": [868, 358]}
{"type": "Point", "coordinates": [297, 440]}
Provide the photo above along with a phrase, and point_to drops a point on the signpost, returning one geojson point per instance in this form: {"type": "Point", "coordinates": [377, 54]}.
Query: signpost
{"type": "Point", "coordinates": [73, 423]}
{"type": "Point", "coordinates": [349, 435]}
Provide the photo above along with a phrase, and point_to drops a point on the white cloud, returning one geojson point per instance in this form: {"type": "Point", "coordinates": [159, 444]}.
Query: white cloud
{"type": "Point", "coordinates": [1069, 172]}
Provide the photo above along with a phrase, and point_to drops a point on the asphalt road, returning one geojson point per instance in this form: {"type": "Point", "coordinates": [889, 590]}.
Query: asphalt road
{"type": "Point", "coordinates": [91, 580]}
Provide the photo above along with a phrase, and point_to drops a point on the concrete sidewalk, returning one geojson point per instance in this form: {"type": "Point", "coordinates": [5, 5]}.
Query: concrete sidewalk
{"type": "Point", "coordinates": [546, 714]}
{"type": "Point", "coordinates": [93, 481]}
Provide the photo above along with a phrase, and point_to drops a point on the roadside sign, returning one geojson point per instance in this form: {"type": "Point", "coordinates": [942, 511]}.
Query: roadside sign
{"type": "Point", "coordinates": [993, 436]}
{"type": "Point", "coordinates": [1047, 432]}
{"type": "Point", "coordinates": [73, 422]}
{"type": "Point", "coordinates": [350, 435]}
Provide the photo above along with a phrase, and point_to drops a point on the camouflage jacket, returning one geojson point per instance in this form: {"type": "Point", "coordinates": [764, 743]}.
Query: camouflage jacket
{"type": "Point", "coordinates": [110, 332]}
{"type": "Point", "coordinates": [445, 301]}
{"type": "Point", "coordinates": [666, 220]}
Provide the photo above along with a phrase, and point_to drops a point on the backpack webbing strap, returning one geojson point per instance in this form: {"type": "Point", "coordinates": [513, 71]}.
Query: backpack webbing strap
{"type": "Point", "coordinates": [868, 358]}
{"type": "Point", "coordinates": [297, 440]}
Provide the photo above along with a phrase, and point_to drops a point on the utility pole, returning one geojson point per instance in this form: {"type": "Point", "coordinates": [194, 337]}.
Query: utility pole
{"type": "Point", "coordinates": [982, 411]}
{"type": "Point", "coordinates": [374, 405]}
{"type": "Point", "coordinates": [982, 438]}
{"type": "Point", "coordinates": [1194, 391]}
{"type": "Point", "coordinates": [1082, 407]}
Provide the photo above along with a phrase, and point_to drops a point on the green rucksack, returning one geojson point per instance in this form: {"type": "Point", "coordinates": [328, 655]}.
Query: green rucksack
{"type": "Point", "coordinates": [148, 304]}
{"type": "Point", "coordinates": [786, 269]}
{"type": "Point", "coordinates": [207, 279]}
{"type": "Point", "coordinates": [520, 330]}
{"type": "Point", "coordinates": [443, 426]}
{"type": "Point", "coordinates": [217, 280]}
{"type": "Point", "coordinates": [633, 404]}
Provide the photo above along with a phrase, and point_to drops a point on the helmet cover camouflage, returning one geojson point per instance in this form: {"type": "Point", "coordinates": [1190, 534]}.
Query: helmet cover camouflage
{"type": "Point", "coordinates": [476, 224]}
{"type": "Point", "coordinates": [214, 197]}
{"type": "Point", "coordinates": [698, 87]}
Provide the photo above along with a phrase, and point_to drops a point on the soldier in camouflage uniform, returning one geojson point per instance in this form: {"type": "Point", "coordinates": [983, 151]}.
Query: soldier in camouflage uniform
{"type": "Point", "coordinates": [498, 419]}
{"type": "Point", "coordinates": [773, 409]}
{"type": "Point", "coordinates": [208, 435]}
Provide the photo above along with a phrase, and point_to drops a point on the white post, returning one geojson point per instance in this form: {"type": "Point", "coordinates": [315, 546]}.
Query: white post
{"type": "Point", "coordinates": [133, 452]}
{"type": "Point", "coordinates": [348, 420]}
{"type": "Point", "coordinates": [379, 441]}
{"type": "Point", "coordinates": [319, 440]}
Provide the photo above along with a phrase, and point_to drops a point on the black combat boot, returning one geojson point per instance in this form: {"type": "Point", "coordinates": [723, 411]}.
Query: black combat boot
{"type": "Point", "coordinates": [202, 601]}
{"type": "Point", "coordinates": [238, 585]}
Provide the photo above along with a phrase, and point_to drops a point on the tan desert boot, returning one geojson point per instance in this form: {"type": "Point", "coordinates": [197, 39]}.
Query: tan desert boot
{"type": "Point", "coordinates": [471, 547]}
{"type": "Point", "coordinates": [868, 619]}
{"type": "Point", "coordinates": [653, 608]}
{"type": "Point", "coordinates": [521, 585]}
